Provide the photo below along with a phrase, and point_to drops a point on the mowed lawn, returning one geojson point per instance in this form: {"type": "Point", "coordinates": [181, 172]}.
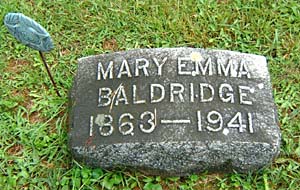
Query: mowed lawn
{"type": "Point", "coordinates": [34, 121]}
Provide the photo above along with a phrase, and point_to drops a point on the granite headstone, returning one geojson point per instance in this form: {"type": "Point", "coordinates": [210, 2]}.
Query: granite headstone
{"type": "Point", "coordinates": [174, 111]}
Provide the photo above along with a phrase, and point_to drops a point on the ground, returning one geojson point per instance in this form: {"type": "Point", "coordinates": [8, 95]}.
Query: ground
{"type": "Point", "coordinates": [34, 121]}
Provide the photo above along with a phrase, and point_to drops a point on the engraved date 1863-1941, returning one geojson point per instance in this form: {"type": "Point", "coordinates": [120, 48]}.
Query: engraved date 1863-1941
{"type": "Point", "coordinates": [147, 122]}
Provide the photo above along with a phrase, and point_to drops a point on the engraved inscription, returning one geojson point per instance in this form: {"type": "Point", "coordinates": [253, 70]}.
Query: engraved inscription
{"type": "Point", "coordinates": [212, 122]}
{"type": "Point", "coordinates": [173, 92]}
{"type": "Point", "coordinates": [201, 92]}
{"type": "Point", "coordinates": [186, 66]}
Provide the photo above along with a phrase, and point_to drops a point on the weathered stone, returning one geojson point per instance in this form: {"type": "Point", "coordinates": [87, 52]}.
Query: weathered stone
{"type": "Point", "coordinates": [174, 111]}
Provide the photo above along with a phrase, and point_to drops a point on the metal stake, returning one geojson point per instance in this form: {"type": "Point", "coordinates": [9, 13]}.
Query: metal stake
{"type": "Point", "coordinates": [49, 73]}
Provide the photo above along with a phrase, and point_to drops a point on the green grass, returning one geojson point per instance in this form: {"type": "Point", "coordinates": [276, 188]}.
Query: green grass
{"type": "Point", "coordinates": [34, 121]}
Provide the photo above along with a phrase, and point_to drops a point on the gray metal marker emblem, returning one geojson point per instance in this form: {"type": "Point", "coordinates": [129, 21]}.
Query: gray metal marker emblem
{"type": "Point", "coordinates": [28, 32]}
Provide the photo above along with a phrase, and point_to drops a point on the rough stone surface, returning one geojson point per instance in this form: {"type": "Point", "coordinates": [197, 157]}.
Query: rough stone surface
{"type": "Point", "coordinates": [174, 111]}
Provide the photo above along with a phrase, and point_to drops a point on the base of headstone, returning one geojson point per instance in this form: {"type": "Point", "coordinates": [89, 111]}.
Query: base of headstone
{"type": "Point", "coordinates": [174, 112]}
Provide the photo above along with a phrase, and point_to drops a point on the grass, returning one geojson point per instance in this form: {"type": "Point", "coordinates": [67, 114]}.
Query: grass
{"type": "Point", "coordinates": [33, 120]}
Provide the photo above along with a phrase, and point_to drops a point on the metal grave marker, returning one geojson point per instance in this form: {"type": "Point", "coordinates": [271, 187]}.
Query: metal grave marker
{"type": "Point", "coordinates": [174, 111]}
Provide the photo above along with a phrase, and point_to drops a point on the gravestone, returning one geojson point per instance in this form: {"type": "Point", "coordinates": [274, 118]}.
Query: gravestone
{"type": "Point", "coordinates": [174, 111]}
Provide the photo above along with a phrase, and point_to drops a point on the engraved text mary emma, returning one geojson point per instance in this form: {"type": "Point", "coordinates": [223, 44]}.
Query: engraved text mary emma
{"type": "Point", "coordinates": [185, 66]}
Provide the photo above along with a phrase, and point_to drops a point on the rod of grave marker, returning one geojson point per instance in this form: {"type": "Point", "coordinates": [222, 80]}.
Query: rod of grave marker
{"type": "Point", "coordinates": [49, 73]}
